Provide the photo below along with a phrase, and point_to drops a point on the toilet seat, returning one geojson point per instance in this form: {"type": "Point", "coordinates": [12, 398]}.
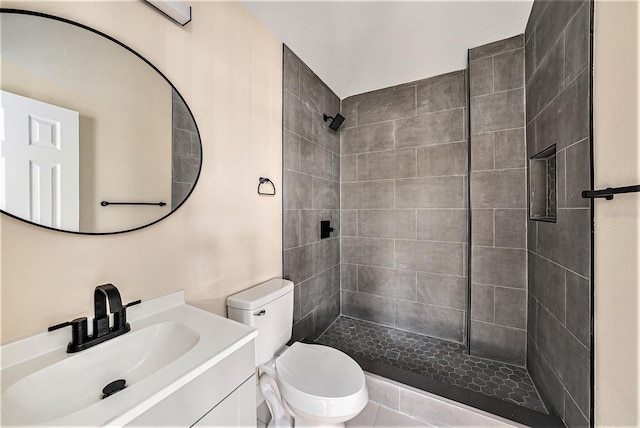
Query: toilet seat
{"type": "Point", "coordinates": [321, 381]}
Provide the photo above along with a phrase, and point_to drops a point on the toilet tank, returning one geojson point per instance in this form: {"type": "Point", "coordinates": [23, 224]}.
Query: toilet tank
{"type": "Point", "coordinates": [267, 307]}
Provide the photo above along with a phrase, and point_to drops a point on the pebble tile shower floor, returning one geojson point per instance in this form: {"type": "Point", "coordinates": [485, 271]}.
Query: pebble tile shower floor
{"type": "Point", "coordinates": [438, 359]}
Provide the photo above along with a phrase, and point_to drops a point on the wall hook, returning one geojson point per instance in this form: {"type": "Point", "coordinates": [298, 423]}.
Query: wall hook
{"type": "Point", "coordinates": [264, 180]}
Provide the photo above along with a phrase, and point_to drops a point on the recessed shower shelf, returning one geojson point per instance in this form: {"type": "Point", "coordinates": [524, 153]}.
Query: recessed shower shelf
{"type": "Point", "coordinates": [543, 192]}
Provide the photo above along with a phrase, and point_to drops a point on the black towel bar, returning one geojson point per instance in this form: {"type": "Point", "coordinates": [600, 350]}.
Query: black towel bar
{"type": "Point", "coordinates": [609, 192]}
{"type": "Point", "coordinates": [106, 203]}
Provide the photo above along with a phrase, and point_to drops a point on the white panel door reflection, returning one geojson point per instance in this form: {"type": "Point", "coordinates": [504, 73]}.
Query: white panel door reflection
{"type": "Point", "coordinates": [39, 161]}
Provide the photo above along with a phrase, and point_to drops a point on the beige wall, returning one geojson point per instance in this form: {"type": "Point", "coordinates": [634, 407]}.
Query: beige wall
{"type": "Point", "coordinates": [617, 222]}
{"type": "Point", "coordinates": [225, 237]}
{"type": "Point", "coordinates": [125, 114]}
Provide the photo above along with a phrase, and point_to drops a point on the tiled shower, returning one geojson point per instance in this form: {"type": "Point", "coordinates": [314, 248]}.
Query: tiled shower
{"type": "Point", "coordinates": [505, 313]}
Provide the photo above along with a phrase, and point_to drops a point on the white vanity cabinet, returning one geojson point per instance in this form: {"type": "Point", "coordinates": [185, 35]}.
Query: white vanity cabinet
{"type": "Point", "coordinates": [224, 395]}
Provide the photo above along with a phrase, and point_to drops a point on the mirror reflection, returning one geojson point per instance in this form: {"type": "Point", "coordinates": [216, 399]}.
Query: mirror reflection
{"type": "Point", "coordinates": [86, 121]}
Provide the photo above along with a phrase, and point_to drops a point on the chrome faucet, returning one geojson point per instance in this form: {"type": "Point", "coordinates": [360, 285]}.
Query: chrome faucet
{"type": "Point", "coordinates": [102, 332]}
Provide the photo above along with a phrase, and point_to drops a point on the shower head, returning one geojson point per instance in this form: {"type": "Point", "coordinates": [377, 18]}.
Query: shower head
{"type": "Point", "coordinates": [335, 121]}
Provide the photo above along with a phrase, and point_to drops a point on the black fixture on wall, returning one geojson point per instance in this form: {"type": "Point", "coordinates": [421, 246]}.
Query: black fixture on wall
{"type": "Point", "coordinates": [336, 121]}
{"type": "Point", "coordinates": [609, 192]}
{"type": "Point", "coordinates": [325, 229]}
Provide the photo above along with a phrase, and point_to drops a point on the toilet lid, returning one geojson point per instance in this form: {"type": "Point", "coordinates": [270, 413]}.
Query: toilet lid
{"type": "Point", "coordinates": [320, 371]}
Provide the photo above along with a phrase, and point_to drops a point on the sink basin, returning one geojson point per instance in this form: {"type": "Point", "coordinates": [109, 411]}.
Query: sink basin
{"type": "Point", "coordinates": [76, 382]}
{"type": "Point", "coordinates": [170, 344]}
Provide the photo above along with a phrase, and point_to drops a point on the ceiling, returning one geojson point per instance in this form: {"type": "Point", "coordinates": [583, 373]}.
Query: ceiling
{"type": "Point", "coordinates": [359, 46]}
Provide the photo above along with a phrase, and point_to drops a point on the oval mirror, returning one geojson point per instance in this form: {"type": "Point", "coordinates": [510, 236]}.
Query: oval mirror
{"type": "Point", "coordinates": [95, 139]}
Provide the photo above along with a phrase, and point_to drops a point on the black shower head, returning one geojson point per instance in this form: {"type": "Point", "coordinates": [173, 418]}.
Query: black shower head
{"type": "Point", "coordinates": [335, 121]}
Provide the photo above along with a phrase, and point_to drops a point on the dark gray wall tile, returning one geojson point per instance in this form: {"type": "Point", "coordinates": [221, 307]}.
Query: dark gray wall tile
{"type": "Point", "coordinates": [185, 170]}
{"type": "Point", "coordinates": [509, 70]}
{"type": "Point", "coordinates": [536, 10]}
{"type": "Point", "coordinates": [510, 149]}
{"type": "Point", "coordinates": [499, 189]}
{"type": "Point", "coordinates": [400, 284]}
{"type": "Point", "coordinates": [348, 168]}
{"type": "Point", "coordinates": [348, 277]}
{"type": "Point", "coordinates": [530, 64]}
{"type": "Point", "coordinates": [532, 235]}
{"type": "Point", "coordinates": [368, 251]}
{"type": "Point", "coordinates": [181, 142]}
{"type": "Point", "coordinates": [291, 72]}
{"type": "Point", "coordinates": [314, 92]}
{"type": "Point", "coordinates": [481, 76]}
{"type": "Point", "coordinates": [483, 307]}
{"type": "Point", "coordinates": [568, 357]}
{"type": "Point", "coordinates": [494, 112]}
{"type": "Point", "coordinates": [291, 228]}
{"type": "Point", "coordinates": [303, 328]}
{"type": "Point", "coordinates": [335, 173]}
{"type": "Point", "coordinates": [511, 307]}
{"type": "Point", "coordinates": [443, 159]}
{"type": "Point", "coordinates": [546, 380]}
{"type": "Point", "coordinates": [298, 116]}
{"type": "Point", "coordinates": [482, 151]}
{"type": "Point", "coordinates": [433, 192]}
{"type": "Point", "coordinates": [326, 194]}
{"type": "Point", "coordinates": [426, 256]}
{"type": "Point", "coordinates": [181, 117]}
{"type": "Point", "coordinates": [291, 151]}
{"type": "Point", "coordinates": [366, 195]}
{"type": "Point", "coordinates": [578, 315]}
{"type": "Point", "coordinates": [552, 22]}
{"type": "Point", "coordinates": [298, 263]}
{"type": "Point", "coordinates": [442, 225]}
{"type": "Point", "coordinates": [431, 128]}
{"type": "Point", "coordinates": [498, 342]}
{"type": "Point", "coordinates": [547, 81]}
{"type": "Point", "coordinates": [442, 290]}
{"type": "Point", "coordinates": [573, 417]}
{"type": "Point", "coordinates": [349, 109]}
{"type": "Point", "coordinates": [577, 44]}
{"type": "Point", "coordinates": [561, 179]}
{"type": "Point", "coordinates": [369, 138]}
{"type": "Point", "coordinates": [387, 165]}
{"type": "Point", "coordinates": [566, 120]}
{"type": "Point", "coordinates": [368, 307]}
{"type": "Point", "coordinates": [326, 253]}
{"type": "Point", "coordinates": [317, 289]}
{"type": "Point", "coordinates": [532, 316]}
{"type": "Point", "coordinates": [567, 241]}
{"type": "Point", "coordinates": [482, 227]}
{"type": "Point", "coordinates": [494, 48]}
{"type": "Point", "coordinates": [297, 190]}
{"type": "Point", "coordinates": [443, 92]}
{"type": "Point", "coordinates": [399, 224]}
{"type": "Point", "coordinates": [511, 228]}
{"type": "Point", "coordinates": [499, 266]}
{"type": "Point", "coordinates": [349, 223]}
{"type": "Point", "coordinates": [435, 321]}
{"type": "Point", "coordinates": [531, 138]}
{"type": "Point", "coordinates": [315, 160]}
{"type": "Point", "coordinates": [386, 104]}
{"type": "Point", "coordinates": [577, 174]}
{"type": "Point", "coordinates": [325, 314]}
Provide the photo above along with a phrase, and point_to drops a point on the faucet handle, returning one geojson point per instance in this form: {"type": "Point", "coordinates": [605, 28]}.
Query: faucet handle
{"type": "Point", "coordinates": [78, 331]}
{"type": "Point", "coordinates": [120, 317]}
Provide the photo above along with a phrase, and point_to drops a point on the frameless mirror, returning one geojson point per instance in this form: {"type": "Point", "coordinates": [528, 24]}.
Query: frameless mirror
{"type": "Point", "coordinates": [95, 139]}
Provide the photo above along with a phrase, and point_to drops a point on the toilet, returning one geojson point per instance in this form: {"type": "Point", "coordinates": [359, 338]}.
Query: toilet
{"type": "Point", "coordinates": [309, 385]}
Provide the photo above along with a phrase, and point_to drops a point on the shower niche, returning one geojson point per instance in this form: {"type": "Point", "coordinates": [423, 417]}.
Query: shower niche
{"type": "Point", "coordinates": [543, 184]}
